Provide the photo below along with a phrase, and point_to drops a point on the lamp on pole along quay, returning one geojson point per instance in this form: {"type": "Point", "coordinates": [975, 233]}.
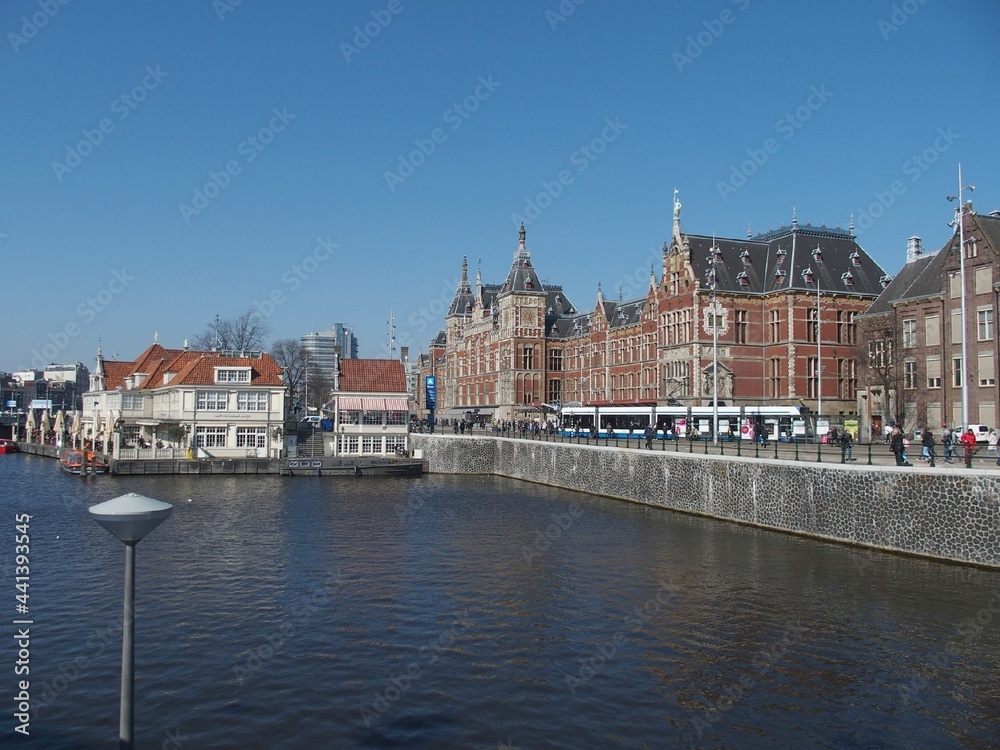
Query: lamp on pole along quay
{"type": "Point", "coordinates": [130, 518]}
{"type": "Point", "coordinates": [959, 219]}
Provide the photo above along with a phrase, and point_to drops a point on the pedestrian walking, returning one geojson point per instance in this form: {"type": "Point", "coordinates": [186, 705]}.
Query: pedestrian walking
{"type": "Point", "coordinates": [927, 441]}
{"type": "Point", "coordinates": [897, 447]}
{"type": "Point", "coordinates": [648, 434]}
{"type": "Point", "coordinates": [948, 440]}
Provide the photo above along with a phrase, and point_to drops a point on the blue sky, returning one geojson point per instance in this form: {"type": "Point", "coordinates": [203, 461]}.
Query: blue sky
{"type": "Point", "coordinates": [167, 162]}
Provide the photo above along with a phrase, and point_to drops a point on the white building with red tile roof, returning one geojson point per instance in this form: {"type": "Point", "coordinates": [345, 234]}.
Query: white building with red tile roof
{"type": "Point", "coordinates": [371, 408]}
{"type": "Point", "coordinates": [217, 404]}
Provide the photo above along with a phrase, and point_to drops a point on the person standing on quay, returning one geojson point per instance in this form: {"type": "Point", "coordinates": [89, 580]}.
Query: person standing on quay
{"type": "Point", "coordinates": [648, 434]}
{"type": "Point", "coordinates": [969, 444]}
{"type": "Point", "coordinates": [948, 440]}
{"type": "Point", "coordinates": [846, 446]}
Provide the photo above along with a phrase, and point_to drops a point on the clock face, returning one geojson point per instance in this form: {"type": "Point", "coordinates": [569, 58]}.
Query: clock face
{"type": "Point", "coordinates": [529, 317]}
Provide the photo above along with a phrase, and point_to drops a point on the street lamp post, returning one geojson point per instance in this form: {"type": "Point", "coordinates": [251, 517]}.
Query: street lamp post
{"type": "Point", "coordinates": [714, 257]}
{"type": "Point", "coordinates": [959, 217]}
{"type": "Point", "coordinates": [819, 357]}
{"type": "Point", "coordinates": [130, 518]}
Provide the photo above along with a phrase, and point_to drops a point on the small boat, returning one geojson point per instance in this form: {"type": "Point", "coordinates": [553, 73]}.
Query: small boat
{"type": "Point", "coordinates": [82, 462]}
{"type": "Point", "coordinates": [7, 446]}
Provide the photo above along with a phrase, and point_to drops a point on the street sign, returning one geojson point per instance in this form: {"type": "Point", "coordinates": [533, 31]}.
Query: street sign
{"type": "Point", "coordinates": [430, 387]}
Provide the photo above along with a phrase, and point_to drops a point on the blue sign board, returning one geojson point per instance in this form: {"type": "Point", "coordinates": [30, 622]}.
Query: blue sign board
{"type": "Point", "coordinates": [431, 390]}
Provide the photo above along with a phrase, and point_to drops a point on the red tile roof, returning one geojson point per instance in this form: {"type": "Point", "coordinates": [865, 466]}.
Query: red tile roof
{"type": "Point", "coordinates": [372, 376]}
{"type": "Point", "coordinates": [189, 368]}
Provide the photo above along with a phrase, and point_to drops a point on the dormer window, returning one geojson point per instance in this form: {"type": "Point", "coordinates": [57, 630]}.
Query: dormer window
{"type": "Point", "coordinates": [781, 253]}
{"type": "Point", "coordinates": [848, 278]}
{"type": "Point", "coordinates": [807, 275]}
{"type": "Point", "coordinates": [716, 254]}
{"type": "Point", "coordinates": [817, 254]}
{"type": "Point", "coordinates": [885, 280]}
{"type": "Point", "coordinates": [232, 374]}
{"type": "Point", "coordinates": [855, 258]}
{"type": "Point", "coordinates": [528, 284]}
{"type": "Point", "coordinates": [745, 257]}
{"type": "Point", "coordinates": [743, 279]}
{"type": "Point", "coordinates": [779, 274]}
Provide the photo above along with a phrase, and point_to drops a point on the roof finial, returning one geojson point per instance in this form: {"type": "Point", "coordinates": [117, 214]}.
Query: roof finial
{"type": "Point", "coordinates": [749, 233]}
{"type": "Point", "coordinates": [156, 337]}
{"type": "Point", "coordinates": [465, 271]}
{"type": "Point", "coordinates": [520, 236]}
{"type": "Point", "coordinates": [795, 220]}
{"type": "Point", "coordinates": [852, 225]}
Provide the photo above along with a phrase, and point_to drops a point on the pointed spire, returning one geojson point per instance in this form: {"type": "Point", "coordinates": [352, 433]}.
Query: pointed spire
{"type": "Point", "coordinates": [464, 283]}
{"type": "Point", "coordinates": [652, 277]}
{"type": "Point", "coordinates": [749, 233]}
{"type": "Point", "coordinates": [677, 211]}
{"type": "Point", "coordinates": [852, 225]}
{"type": "Point", "coordinates": [521, 247]}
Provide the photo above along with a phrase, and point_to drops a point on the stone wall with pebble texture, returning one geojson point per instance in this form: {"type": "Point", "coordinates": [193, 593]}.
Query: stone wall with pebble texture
{"type": "Point", "coordinates": [951, 513]}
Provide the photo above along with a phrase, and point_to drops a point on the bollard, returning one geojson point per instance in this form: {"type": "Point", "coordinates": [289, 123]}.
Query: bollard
{"type": "Point", "coordinates": [776, 447]}
{"type": "Point", "coordinates": [869, 452]}
{"type": "Point", "coordinates": [756, 448]}
{"type": "Point", "coordinates": [706, 447]}
{"type": "Point", "coordinates": [796, 450]}
{"type": "Point", "coordinates": [739, 447]}
{"type": "Point", "coordinates": [722, 447]}
{"type": "Point", "coordinates": [819, 452]}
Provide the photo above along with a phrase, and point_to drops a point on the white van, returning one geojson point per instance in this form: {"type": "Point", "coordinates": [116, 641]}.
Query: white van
{"type": "Point", "coordinates": [981, 431]}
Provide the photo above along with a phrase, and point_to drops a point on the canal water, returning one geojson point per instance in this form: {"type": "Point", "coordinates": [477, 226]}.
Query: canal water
{"type": "Point", "coordinates": [479, 612]}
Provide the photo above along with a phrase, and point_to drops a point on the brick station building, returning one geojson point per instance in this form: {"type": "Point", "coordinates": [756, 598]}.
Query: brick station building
{"type": "Point", "coordinates": [509, 349]}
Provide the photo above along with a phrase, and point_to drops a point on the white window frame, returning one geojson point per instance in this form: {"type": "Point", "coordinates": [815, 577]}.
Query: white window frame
{"type": "Point", "coordinates": [211, 437]}
{"type": "Point", "coordinates": [211, 400]}
{"type": "Point", "coordinates": [232, 374]}
{"type": "Point", "coordinates": [252, 401]}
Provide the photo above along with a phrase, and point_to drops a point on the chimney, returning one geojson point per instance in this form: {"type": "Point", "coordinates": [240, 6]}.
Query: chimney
{"type": "Point", "coordinates": [404, 353]}
{"type": "Point", "coordinates": [913, 249]}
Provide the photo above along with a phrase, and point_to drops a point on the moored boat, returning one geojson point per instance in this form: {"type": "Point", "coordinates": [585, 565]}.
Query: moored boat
{"type": "Point", "coordinates": [7, 446]}
{"type": "Point", "coordinates": [82, 462]}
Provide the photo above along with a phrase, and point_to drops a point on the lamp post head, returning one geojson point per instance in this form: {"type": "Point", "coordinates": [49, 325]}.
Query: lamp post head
{"type": "Point", "coordinates": [131, 517]}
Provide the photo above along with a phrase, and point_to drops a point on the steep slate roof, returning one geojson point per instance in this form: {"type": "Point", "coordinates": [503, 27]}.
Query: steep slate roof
{"type": "Point", "coordinates": [923, 276]}
{"type": "Point", "coordinates": [372, 376]}
{"type": "Point", "coordinates": [919, 278]}
{"type": "Point", "coordinates": [522, 277]}
{"type": "Point", "coordinates": [777, 260]}
{"type": "Point", "coordinates": [464, 299]}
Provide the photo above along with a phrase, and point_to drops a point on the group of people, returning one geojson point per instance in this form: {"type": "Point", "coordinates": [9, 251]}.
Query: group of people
{"type": "Point", "coordinates": [951, 441]}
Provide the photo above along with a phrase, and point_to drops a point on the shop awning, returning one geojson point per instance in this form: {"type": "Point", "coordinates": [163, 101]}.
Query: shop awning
{"type": "Point", "coordinates": [397, 404]}
{"type": "Point", "coordinates": [373, 403]}
{"type": "Point", "coordinates": [350, 403]}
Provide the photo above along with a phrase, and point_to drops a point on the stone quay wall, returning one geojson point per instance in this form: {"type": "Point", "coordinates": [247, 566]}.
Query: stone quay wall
{"type": "Point", "coordinates": [951, 514]}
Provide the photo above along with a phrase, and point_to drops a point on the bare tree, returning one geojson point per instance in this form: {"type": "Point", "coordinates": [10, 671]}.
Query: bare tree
{"type": "Point", "coordinates": [879, 346]}
{"type": "Point", "coordinates": [247, 332]}
{"type": "Point", "coordinates": [291, 357]}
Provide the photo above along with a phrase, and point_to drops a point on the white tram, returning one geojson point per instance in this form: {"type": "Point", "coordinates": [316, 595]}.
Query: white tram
{"type": "Point", "coordinates": [784, 423]}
